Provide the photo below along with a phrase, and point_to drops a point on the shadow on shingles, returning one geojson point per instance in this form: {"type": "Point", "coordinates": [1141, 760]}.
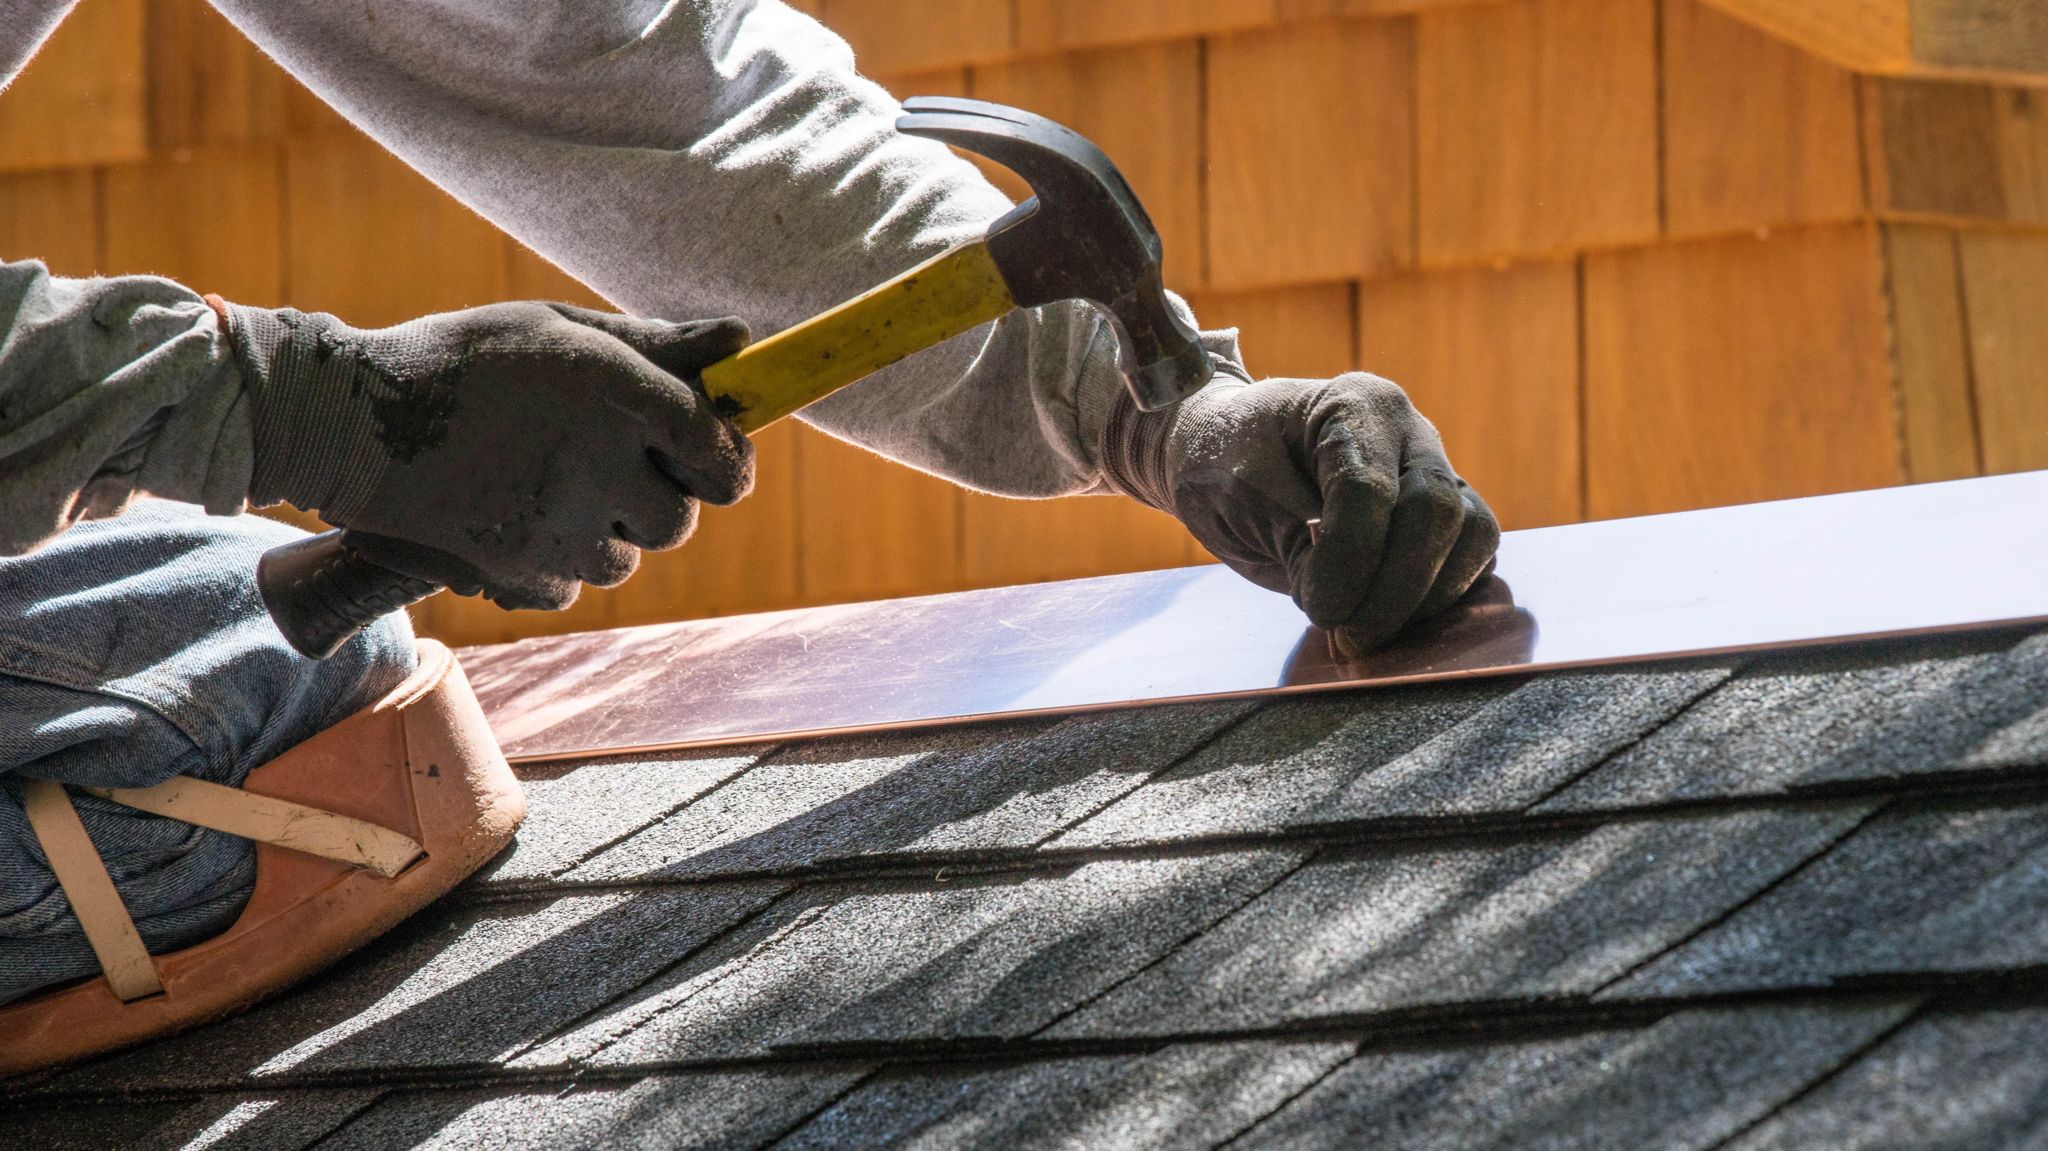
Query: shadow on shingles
{"type": "Point", "coordinates": [542, 990]}
{"type": "Point", "coordinates": [1560, 933]}
{"type": "Point", "coordinates": [1834, 718]}
{"type": "Point", "coordinates": [937, 802]}
{"type": "Point", "coordinates": [1182, 1096]}
{"type": "Point", "coordinates": [508, 1001]}
{"type": "Point", "coordinates": [1926, 705]}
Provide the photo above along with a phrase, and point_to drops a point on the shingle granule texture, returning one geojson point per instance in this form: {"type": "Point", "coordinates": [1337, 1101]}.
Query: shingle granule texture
{"type": "Point", "coordinates": [1764, 902]}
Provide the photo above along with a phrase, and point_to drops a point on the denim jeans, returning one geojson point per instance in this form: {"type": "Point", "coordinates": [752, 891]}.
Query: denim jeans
{"type": "Point", "coordinates": [132, 650]}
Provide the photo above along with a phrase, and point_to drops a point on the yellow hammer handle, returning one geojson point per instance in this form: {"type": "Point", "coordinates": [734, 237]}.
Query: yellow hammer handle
{"type": "Point", "coordinates": [940, 298]}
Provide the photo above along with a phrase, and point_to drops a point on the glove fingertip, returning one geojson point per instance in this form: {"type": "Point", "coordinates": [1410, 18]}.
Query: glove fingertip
{"type": "Point", "coordinates": [731, 329]}
{"type": "Point", "coordinates": [1331, 582]}
{"type": "Point", "coordinates": [715, 340]}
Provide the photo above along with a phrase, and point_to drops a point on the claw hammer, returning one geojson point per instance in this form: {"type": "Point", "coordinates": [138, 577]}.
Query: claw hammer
{"type": "Point", "coordinates": [1081, 236]}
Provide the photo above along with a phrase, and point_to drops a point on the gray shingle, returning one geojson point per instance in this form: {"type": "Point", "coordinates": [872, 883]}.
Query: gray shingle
{"type": "Point", "coordinates": [960, 790]}
{"type": "Point", "coordinates": [1186, 941]}
{"type": "Point", "coordinates": [868, 962]}
{"type": "Point", "coordinates": [1921, 891]}
{"type": "Point", "coordinates": [1412, 926]}
{"type": "Point", "coordinates": [720, 1110]}
{"type": "Point", "coordinates": [1180, 1097]}
{"type": "Point", "coordinates": [1279, 764]}
{"type": "Point", "coordinates": [1441, 750]}
{"type": "Point", "coordinates": [449, 988]}
{"type": "Point", "coordinates": [809, 797]}
{"type": "Point", "coordinates": [2024, 744]}
{"type": "Point", "coordinates": [1830, 716]}
{"type": "Point", "coordinates": [226, 1122]}
{"type": "Point", "coordinates": [1944, 1082]}
{"type": "Point", "coordinates": [1520, 747]}
{"type": "Point", "coordinates": [1690, 1081]}
{"type": "Point", "coordinates": [575, 809]}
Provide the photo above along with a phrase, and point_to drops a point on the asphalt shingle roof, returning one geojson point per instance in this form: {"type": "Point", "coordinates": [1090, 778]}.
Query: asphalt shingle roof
{"type": "Point", "coordinates": [1791, 900]}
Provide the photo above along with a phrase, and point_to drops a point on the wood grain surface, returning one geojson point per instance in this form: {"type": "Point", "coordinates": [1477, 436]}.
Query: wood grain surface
{"type": "Point", "coordinates": [1931, 354]}
{"type": "Point", "coordinates": [211, 218]}
{"type": "Point", "coordinates": [1756, 132]}
{"type": "Point", "coordinates": [1536, 128]}
{"type": "Point", "coordinates": [2005, 287]}
{"type": "Point", "coordinates": [1310, 145]}
{"type": "Point", "coordinates": [84, 98]}
{"type": "Point", "coordinates": [1736, 370]}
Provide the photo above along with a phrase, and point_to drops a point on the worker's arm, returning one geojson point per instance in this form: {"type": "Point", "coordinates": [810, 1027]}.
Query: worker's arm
{"type": "Point", "coordinates": [724, 154]}
{"type": "Point", "coordinates": [717, 155]}
{"type": "Point", "coordinates": [108, 386]}
{"type": "Point", "coordinates": [514, 449]}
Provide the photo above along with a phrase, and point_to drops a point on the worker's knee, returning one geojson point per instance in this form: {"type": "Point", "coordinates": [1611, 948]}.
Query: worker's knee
{"type": "Point", "coordinates": [133, 650]}
{"type": "Point", "coordinates": [157, 611]}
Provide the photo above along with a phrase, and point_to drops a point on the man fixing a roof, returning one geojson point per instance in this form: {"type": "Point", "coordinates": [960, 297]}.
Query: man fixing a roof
{"type": "Point", "coordinates": [696, 159]}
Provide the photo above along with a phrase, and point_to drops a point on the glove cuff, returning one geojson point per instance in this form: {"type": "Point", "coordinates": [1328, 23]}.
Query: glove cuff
{"type": "Point", "coordinates": [1133, 454]}
{"type": "Point", "coordinates": [314, 420]}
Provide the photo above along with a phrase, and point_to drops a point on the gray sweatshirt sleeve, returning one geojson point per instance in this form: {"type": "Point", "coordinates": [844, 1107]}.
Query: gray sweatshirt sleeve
{"type": "Point", "coordinates": [109, 387]}
{"type": "Point", "coordinates": [24, 25]}
{"type": "Point", "coordinates": [692, 158]}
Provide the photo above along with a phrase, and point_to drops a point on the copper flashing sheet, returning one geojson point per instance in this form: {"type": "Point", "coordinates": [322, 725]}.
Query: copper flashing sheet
{"type": "Point", "coordinates": [1897, 561]}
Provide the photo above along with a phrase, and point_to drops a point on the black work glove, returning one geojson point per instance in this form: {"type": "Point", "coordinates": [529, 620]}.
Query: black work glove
{"type": "Point", "coordinates": [1246, 467]}
{"type": "Point", "coordinates": [513, 449]}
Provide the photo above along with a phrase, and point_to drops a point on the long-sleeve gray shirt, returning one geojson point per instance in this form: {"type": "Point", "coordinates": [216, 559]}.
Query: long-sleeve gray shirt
{"type": "Point", "coordinates": [685, 158]}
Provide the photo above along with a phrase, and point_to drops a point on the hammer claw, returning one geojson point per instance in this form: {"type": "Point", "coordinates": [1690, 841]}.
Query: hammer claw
{"type": "Point", "coordinates": [1082, 235]}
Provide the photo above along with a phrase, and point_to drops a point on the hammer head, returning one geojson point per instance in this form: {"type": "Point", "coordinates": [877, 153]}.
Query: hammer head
{"type": "Point", "coordinates": [1081, 236]}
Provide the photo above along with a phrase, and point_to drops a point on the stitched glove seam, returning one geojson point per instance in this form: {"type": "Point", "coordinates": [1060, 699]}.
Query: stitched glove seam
{"type": "Point", "coordinates": [1134, 442]}
{"type": "Point", "coordinates": [1134, 452]}
{"type": "Point", "coordinates": [314, 424]}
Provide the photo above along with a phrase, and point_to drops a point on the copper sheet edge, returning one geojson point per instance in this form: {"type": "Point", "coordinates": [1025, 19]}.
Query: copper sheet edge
{"type": "Point", "coordinates": [1935, 558]}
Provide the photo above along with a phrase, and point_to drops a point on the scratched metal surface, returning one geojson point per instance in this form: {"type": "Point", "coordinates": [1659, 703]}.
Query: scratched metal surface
{"type": "Point", "coordinates": [1898, 561]}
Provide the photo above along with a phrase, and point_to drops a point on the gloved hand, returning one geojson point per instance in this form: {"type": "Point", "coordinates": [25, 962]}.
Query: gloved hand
{"type": "Point", "coordinates": [1246, 466]}
{"type": "Point", "coordinates": [513, 449]}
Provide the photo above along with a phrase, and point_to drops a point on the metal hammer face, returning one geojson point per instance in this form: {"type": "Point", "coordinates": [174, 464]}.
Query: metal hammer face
{"type": "Point", "coordinates": [1082, 235]}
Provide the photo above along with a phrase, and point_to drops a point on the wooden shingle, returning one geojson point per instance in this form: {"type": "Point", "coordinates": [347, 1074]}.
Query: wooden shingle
{"type": "Point", "coordinates": [208, 84]}
{"type": "Point", "coordinates": [1729, 371]}
{"type": "Point", "coordinates": [83, 99]}
{"type": "Point", "coordinates": [53, 217]}
{"type": "Point", "coordinates": [870, 528]}
{"type": "Point", "coordinates": [373, 242]}
{"type": "Point", "coordinates": [1305, 331]}
{"type": "Point", "coordinates": [890, 36]}
{"type": "Point", "coordinates": [1309, 148]}
{"type": "Point", "coordinates": [1005, 541]}
{"type": "Point", "coordinates": [1044, 25]}
{"type": "Point", "coordinates": [2005, 285]}
{"type": "Point", "coordinates": [1937, 414]}
{"type": "Point", "coordinates": [209, 218]}
{"type": "Point", "coordinates": [1756, 132]}
{"type": "Point", "coordinates": [1536, 128]}
{"type": "Point", "coordinates": [1958, 151]}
